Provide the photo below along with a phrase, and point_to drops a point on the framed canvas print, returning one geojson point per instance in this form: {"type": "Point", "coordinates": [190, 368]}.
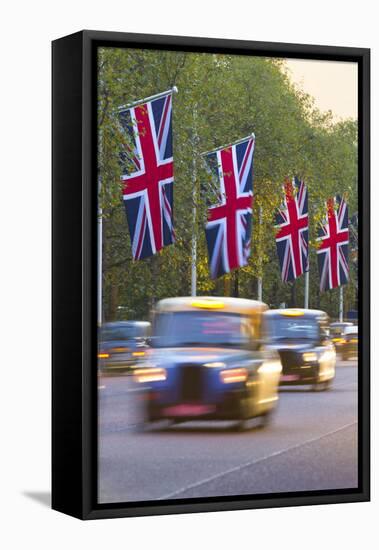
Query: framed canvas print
{"type": "Point", "coordinates": [210, 274]}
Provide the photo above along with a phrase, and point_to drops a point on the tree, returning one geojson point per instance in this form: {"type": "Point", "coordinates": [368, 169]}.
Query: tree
{"type": "Point", "coordinates": [221, 98]}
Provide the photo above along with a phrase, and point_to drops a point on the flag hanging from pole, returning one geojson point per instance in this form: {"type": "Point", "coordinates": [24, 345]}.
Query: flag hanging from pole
{"type": "Point", "coordinates": [228, 229]}
{"type": "Point", "coordinates": [333, 252]}
{"type": "Point", "coordinates": [292, 235]}
{"type": "Point", "coordinates": [148, 174]}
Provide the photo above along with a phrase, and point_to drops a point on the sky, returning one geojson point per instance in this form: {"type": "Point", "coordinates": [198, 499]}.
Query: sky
{"type": "Point", "coordinates": [333, 84]}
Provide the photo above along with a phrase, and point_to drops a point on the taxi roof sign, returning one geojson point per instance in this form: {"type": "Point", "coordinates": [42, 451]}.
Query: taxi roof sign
{"type": "Point", "coordinates": [205, 303]}
{"type": "Point", "coordinates": [292, 312]}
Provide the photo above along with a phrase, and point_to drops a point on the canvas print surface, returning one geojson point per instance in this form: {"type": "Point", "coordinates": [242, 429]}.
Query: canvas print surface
{"type": "Point", "coordinates": [227, 275]}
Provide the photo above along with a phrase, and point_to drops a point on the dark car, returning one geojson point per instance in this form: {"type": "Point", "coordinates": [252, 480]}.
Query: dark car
{"type": "Point", "coordinates": [207, 362]}
{"type": "Point", "coordinates": [349, 344]}
{"type": "Point", "coordinates": [301, 337]}
{"type": "Point", "coordinates": [122, 345]}
{"type": "Point", "coordinates": [336, 333]}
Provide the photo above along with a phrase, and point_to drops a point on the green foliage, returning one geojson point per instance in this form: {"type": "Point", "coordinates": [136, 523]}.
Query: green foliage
{"type": "Point", "coordinates": [221, 98]}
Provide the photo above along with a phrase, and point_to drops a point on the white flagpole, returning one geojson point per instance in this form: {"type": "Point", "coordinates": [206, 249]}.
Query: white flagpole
{"type": "Point", "coordinates": [194, 213]}
{"type": "Point", "coordinates": [306, 289]}
{"type": "Point", "coordinates": [99, 242]}
{"type": "Point", "coordinates": [127, 106]}
{"type": "Point", "coordinates": [229, 144]}
{"type": "Point", "coordinates": [340, 317]}
{"type": "Point", "coordinates": [259, 285]}
{"type": "Point", "coordinates": [99, 265]}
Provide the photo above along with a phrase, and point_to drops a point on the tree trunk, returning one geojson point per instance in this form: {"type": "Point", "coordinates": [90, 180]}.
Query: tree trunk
{"type": "Point", "coordinates": [235, 285]}
{"type": "Point", "coordinates": [293, 294]}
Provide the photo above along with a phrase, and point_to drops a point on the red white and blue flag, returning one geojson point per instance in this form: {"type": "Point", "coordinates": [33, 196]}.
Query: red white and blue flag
{"type": "Point", "coordinates": [228, 230]}
{"type": "Point", "coordinates": [148, 175]}
{"type": "Point", "coordinates": [333, 252]}
{"type": "Point", "coordinates": [292, 237]}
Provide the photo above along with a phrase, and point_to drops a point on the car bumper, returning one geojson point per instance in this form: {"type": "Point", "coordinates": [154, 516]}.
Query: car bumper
{"type": "Point", "coordinates": [226, 408]}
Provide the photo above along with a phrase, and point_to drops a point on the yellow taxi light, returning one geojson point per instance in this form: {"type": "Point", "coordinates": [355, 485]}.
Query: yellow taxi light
{"type": "Point", "coordinates": [233, 375]}
{"type": "Point", "coordinates": [103, 355]}
{"type": "Point", "coordinates": [292, 313]}
{"type": "Point", "coordinates": [208, 304]}
{"type": "Point", "coordinates": [138, 353]}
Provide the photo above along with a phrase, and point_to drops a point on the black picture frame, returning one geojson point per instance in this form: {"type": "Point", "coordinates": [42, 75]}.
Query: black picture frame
{"type": "Point", "coordinates": [74, 334]}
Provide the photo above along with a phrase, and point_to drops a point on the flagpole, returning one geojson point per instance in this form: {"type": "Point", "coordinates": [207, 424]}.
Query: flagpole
{"type": "Point", "coordinates": [127, 106]}
{"type": "Point", "coordinates": [99, 265]}
{"type": "Point", "coordinates": [259, 285]}
{"type": "Point", "coordinates": [340, 316]}
{"type": "Point", "coordinates": [99, 240]}
{"type": "Point", "coordinates": [194, 213]}
{"type": "Point", "coordinates": [306, 289]}
{"type": "Point", "coordinates": [229, 145]}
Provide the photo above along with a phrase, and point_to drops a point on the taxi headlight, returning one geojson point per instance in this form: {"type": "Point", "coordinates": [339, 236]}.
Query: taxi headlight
{"type": "Point", "coordinates": [231, 376]}
{"type": "Point", "coordinates": [150, 374]}
{"type": "Point", "coordinates": [309, 356]}
{"type": "Point", "coordinates": [328, 355]}
{"type": "Point", "coordinates": [270, 367]}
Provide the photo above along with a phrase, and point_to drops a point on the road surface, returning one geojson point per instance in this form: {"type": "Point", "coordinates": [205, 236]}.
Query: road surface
{"type": "Point", "coordinates": [310, 445]}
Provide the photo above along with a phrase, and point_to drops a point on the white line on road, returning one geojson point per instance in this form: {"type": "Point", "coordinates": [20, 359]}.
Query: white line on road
{"type": "Point", "coordinates": [252, 462]}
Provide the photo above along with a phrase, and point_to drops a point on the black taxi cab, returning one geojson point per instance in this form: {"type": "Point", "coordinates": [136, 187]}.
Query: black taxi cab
{"type": "Point", "coordinates": [301, 337]}
{"type": "Point", "coordinates": [336, 333]}
{"type": "Point", "coordinates": [122, 344]}
{"type": "Point", "coordinates": [349, 343]}
{"type": "Point", "coordinates": [207, 362]}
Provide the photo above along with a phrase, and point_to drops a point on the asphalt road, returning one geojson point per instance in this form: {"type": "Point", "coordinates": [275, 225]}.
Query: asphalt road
{"type": "Point", "coordinates": [310, 445]}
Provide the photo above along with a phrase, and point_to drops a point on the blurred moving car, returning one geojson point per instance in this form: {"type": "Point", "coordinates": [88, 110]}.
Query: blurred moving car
{"type": "Point", "coordinates": [349, 344]}
{"type": "Point", "coordinates": [208, 362]}
{"type": "Point", "coordinates": [122, 345]}
{"type": "Point", "coordinates": [336, 332]}
{"type": "Point", "coordinates": [301, 336]}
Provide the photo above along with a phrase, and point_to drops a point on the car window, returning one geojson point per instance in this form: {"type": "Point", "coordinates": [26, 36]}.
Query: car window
{"type": "Point", "coordinates": [122, 332]}
{"type": "Point", "coordinates": [187, 328]}
{"type": "Point", "coordinates": [351, 330]}
{"type": "Point", "coordinates": [296, 328]}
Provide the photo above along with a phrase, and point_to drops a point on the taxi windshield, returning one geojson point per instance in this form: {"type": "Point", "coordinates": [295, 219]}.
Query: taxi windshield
{"type": "Point", "coordinates": [125, 332]}
{"type": "Point", "coordinates": [194, 328]}
{"type": "Point", "coordinates": [287, 328]}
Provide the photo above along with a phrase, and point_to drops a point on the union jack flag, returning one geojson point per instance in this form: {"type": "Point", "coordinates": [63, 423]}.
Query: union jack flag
{"type": "Point", "coordinates": [333, 252]}
{"type": "Point", "coordinates": [228, 230]}
{"type": "Point", "coordinates": [148, 175]}
{"type": "Point", "coordinates": [292, 237]}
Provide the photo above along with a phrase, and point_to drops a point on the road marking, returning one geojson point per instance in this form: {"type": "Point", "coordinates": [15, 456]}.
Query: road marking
{"type": "Point", "coordinates": [252, 462]}
{"type": "Point", "coordinates": [101, 387]}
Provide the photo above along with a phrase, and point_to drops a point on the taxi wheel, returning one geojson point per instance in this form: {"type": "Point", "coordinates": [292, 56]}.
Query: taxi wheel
{"type": "Point", "coordinates": [266, 418]}
{"type": "Point", "coordinates": [242, 423]}
{"type": "Point", "coordinates": [321, 386]}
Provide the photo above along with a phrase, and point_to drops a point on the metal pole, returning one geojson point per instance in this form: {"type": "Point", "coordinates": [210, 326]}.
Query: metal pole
{"type": "Point", "coordinates": [99, 262]}
{"type": "Point", "coordinates": [99, 239]}
{"type": "Point", "coordinates": [306, 290]}
{"type": "Point", "coordinates": [259, 285]}
{"type": "Point", "coordinates": [194, 213]}
{"type": "Point", "coordinates": [229, 144]}
{"type": "Point", "coordinates": [194, 237]}
{"type": "Point", "coordinates": [340, 317]}
{"type": "Point", "coordinates": [127, 106]}
{"type": "Point", "coordinates": [259, 289]}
